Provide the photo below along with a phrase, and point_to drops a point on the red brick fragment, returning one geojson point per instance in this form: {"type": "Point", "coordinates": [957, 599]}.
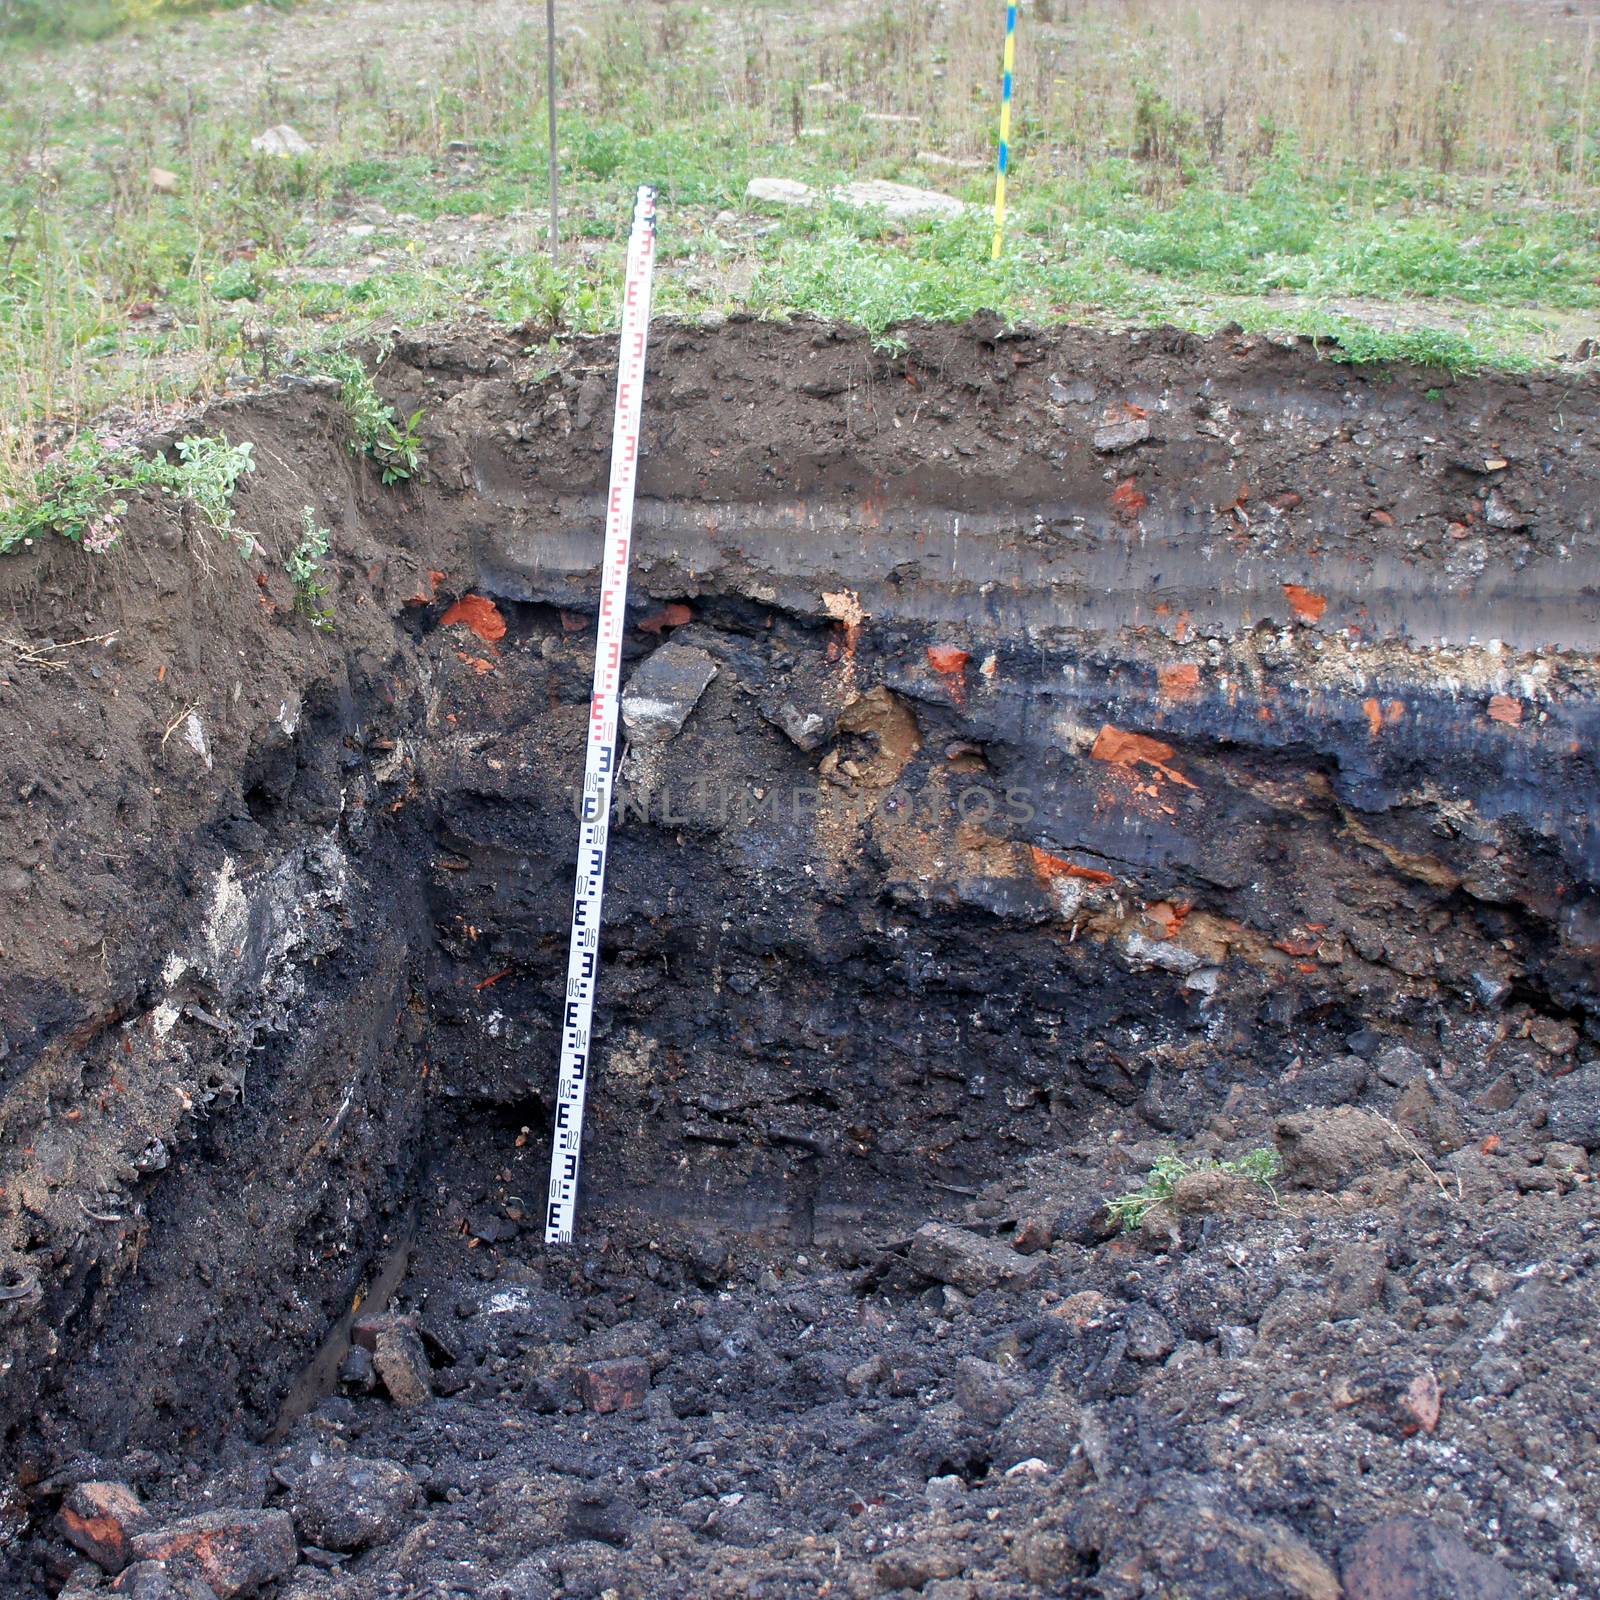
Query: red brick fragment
{"type": "Point", "coordinates": [1127, 500]}
{"type": "Point", "coordinates": [672, 615]}
{"type": "Point", "coordinates": [481, 615]}
{"type": "Point", "coordinates": [1122, 748]}
{"type": "Point", "coordinates": [1180, 682]}
{"type": "Point", "coordinates": [951, 665]}
{"type": "Point", "coordinates": [1503, 708]}
{"type": "Point", "coordinates": [98, 1519]}
{"type": "Point", "coordinates": [619, 1385]}
{"type": "Point", "coordinates": [1050, 867]}
{"type": "Point", "coordinates": [236, 1552]}
{"type": "Point", "coordinates": [1306, 604]}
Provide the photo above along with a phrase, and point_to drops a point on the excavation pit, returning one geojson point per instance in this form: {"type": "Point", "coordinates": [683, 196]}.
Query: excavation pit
{"type": "Point", "coordinates": [1045, 752]}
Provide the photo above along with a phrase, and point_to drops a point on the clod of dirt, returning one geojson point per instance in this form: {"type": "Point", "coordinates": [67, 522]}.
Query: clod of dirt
{"type": "Point", "coordinates": [351, 1502]}
{"type": "Point", "coordinates": [1329, 1149]}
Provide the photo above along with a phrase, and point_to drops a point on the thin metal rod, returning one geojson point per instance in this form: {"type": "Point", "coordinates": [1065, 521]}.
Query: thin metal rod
{"type": "Point", "coordinates": [550, 73]}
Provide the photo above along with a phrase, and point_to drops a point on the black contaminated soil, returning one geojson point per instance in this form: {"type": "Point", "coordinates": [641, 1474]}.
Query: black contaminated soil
{"type": "Point", "coordinates": [1046, 754]}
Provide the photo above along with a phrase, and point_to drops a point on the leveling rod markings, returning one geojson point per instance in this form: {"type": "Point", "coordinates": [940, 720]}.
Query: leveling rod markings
{"type": "Point", "coordinates": [1003, 158]}
{"type": "Point", "coordinates": [599, 771]}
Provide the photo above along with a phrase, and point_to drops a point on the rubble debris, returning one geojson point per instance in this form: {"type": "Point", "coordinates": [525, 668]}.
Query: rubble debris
{"type": "Point", "coordinates": [98, 1519]}
{"type": "Point", "coordinates": [968, 1261]}
{"type": "Point", "coordinates": [664, 689]}
{"type": "Point", "coordinates": [1413, 1558]}
{"type": "Point", "coordinates": [352, 1502]}
{"type": "Point", "coordinates": [235, 1552]}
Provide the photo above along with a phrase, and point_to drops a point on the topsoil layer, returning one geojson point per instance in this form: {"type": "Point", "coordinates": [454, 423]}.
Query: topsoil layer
{"type": "Point", "coordinates": [1050, 751]}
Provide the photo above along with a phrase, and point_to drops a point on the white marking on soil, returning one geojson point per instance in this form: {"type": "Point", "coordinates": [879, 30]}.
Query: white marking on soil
{"type": "Point", "coordinates": [504, 1300]}
{"type": "Point", "coordinates": [194, 735]}
{"type": "Point", "coordinates": [230, 914]}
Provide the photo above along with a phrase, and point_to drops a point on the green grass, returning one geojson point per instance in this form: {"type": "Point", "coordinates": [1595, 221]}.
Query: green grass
{"type": "Point", "coordinates": [55, 20]}
{"type": "Point", "coordinates": [1129, 1210]}
{"type": "Point", "coordinates": [1449, 246]}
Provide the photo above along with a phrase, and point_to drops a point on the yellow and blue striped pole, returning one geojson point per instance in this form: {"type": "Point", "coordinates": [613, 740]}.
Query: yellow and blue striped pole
{"type": "Point", "coordinates": [1005, 133]}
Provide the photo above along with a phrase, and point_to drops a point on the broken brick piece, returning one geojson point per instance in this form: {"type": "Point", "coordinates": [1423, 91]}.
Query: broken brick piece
{"type": "Point", "coordinates": [1503, 708]}
{"type": "Point", "coordinates": [947, 658]}
{"type": "Point", "coordinates": [1179, 682]}
{"type": "Point", "coordinates": [1306, 604]}
{"type": "Point", "coordinates": [1127, 500]}
{"type": "Point", "coordinates": [481, 615]}
{"type": "Point", "coordinates": [236, 1552]}
{"type": "Point", "coordinates": [619, 1385]}
{"type": "Point", "coordinates": [98, 1519]}
{"type": "Point", "coordinates": [1126, 749]}
{"type": "Point", "coordinates": [672, 615]}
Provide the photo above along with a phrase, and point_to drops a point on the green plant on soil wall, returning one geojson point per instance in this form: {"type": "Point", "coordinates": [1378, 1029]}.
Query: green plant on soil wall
{"type": "Point", "coordinates": [375, 424]}
{"type": "Point", "coordinates": [81, 493]}
{"type": "Point", "coordinates": [304, 567]}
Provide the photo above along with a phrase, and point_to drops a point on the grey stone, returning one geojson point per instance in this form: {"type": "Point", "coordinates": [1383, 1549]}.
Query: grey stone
{"type": "Point", "coordinates": [1235, 1342]}
{"type": "Point", "coordinates": [1399, 1064]}
{"type": "Point", "coordinates": [282, 141]}
{"type": "Point", "coordinates": [1124, 435]}
{"type": "Point", "coordinates": [154, 1580]}
{"type": "Point", "coordinates": [984, 1392]}
{"type": "Point", "coordinates": [806, 729]}
{"type": "Point", "coordinates": [353, 1502]}
{"type": "Point", "coordinates": [663, 690]}
{"type": "Point", "coordinates": [967, 1260]}
{"type": "Point", "coordinates": [1150, 1335]}
{"type": "Point", "coordinates": [899, 201]}
{"type": "Point", "coordinates": [1575, 1108]}
{"type": "Point", "coordinates": [1410, 1558]}
{"type": "Point", "coordinates": [780, 192]}
{"type": "Point", "coordinates": [398, 1357]}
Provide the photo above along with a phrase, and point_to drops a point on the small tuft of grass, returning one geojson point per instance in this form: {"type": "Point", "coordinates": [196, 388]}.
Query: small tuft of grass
{"type": "Point", "coordinates": [1260, 1166]}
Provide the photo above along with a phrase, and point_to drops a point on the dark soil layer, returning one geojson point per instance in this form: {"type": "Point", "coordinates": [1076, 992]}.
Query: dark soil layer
{"type": "Point", "coordinates": [1106, 745]}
